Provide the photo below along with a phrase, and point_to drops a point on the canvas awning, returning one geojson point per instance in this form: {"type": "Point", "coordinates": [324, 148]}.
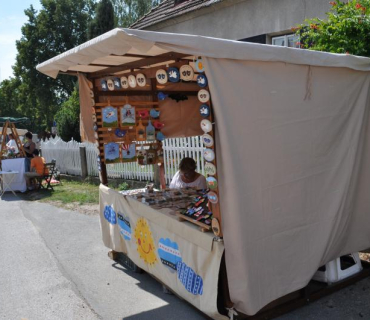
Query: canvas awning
{"type": "Point", "coordinates": [21, 132]}
{"type": "Point", "coordinates": [293, 148]}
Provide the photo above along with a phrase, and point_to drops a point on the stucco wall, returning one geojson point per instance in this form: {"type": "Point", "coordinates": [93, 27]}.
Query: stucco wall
{"type": "Point", "coordinates": [239, 19]}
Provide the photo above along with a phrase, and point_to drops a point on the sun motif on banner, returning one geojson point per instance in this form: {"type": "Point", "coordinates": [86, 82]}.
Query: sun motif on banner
{"type": "Point", "coordinates": [145, 242]}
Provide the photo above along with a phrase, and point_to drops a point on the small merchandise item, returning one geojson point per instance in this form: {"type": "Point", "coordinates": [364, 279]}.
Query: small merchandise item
{"type": "Point", "coordinates": [95, 127]}
{"type": "Point", "coordinates": [212, 197]}
{"type": "Point", "coordinates": [96, 136]}
{"type": "Point", "coordinates": [110, 118]}
{"type": "Point", "coordinates": [212, 183]}
{"type": "Point", "coordinates": [103, 84]}
{"type": "Point", "coordinates": [161, 76]}
{"type": "Point", "coordinates": [120, 133]}
{"type": "Point", "coordinates": [209, 155]}
{"type": "Point", "coordinates": [110, 84]}
{"type": "Point", "coordinates": [132, 81]}
{"type": "Point", "coordinates": [127, 115]}
{"type": "Point", "coordinates": [173, 74]}
{"type": "Point", "coordinates": [129, 152]}
{"type": "Point", "coordinates": [91, 94]}
{"type": "Point", "coordinates": [207, 140]}
{"type": "Point", "coordinates": [141, 156]}
{"type": "Point", "coordinates": [92, 102]}
{"type": "Point", "coordinates": [206, 125]}
{"type": "Point", "coordinates": [117, 83]}
{"type": "Point", "coordinates": [205, 110]}
{"type": "Point", "coordinates": [143, 114]}
{"type": "Point", "coordinates": [186, 73]}
{"type": "Point", "coordinates": [99, 164]}
{"type": "Point", "coordinates": [202, 80]}
{"type": "Point", "coordinates": [160, 136]}
{"type": "Point", "coordinates": [111, 152]}
{"type": "Point", "coordinates": [141, 80]}
{"type": "Point", "coordinates": [203, 96]}
{"type": "Point", "coordinates": [162, 96]}
{"type": "Point", "coordinates": [199, 66]}
{"type": "Point", "coordinates": [154, 113]}
{"type": "Point", "coordinates": [124, 82]}
{"type": "Point", "coordinates": [151, 156]}
{"type": "Point", "coordinates": [210, 169]}
{"type": "Point", "coordinates": [158, 125]}
{"type": "Point", "coordinates": [140, 132]}
{"type": "Point", "coordinates": [94, 119]}
{"type": "Point", "coordinates": [150, 132]}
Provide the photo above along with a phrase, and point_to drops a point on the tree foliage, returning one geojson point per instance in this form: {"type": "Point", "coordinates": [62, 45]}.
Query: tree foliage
{"type": "Point", "coordinates": [104, 19]}
{"type": "Point", "coordinates": [346, 29]}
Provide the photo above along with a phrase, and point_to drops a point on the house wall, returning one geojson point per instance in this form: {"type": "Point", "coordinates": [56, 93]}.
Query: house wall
{"type": "Point", "coordinates": [240, 19]}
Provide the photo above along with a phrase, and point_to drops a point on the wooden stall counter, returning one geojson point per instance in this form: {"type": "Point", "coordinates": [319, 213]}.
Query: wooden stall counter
{"type": "Point", "coordinates": [177, 253]}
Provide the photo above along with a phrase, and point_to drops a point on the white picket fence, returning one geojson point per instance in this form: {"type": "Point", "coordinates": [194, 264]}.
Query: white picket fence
{"type": "Point", "coordinates": [67, 156]}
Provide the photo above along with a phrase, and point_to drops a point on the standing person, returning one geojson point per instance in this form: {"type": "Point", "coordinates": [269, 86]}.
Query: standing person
{"type": "Point", "coordinates": [187, 176]}
{"type": "Point", "coordinates": [38, 169]}
{"type": "Point", "coordinates": [12, 144]}
{"type": "Point", "coordinates": [29, 146]}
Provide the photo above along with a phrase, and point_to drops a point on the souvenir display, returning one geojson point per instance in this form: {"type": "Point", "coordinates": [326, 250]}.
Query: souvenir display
{"type": "Point", "coordinates": [161, 76]}
{"type": "Point", "coordinates": [202, 80]}
{"type": "Point", "coordinates": [206, 125]}
{"type": "Point", "coordinates": [95, 127]}
{"type": "Point", "coordinates": [94, 118]}
{"type": "Point", "coordinates": [141, 156]}
{"type": "Point", "coordinates": [129, 152]}
{"type": "Point", "coordinates": [150, 132]}
{"type": "Point", "coordinates": [91, 94]}
{"type": "Point", "coordinates": [110, 118]}
{"type": "Point", "coordinates": [151, 156]}
{"type": "Point", "coordinates": [209, 155]}
{"type": "Point", "coordinates": [159, 156]}
{"type": "Point", "coordinates": [212, 183]}
{"type": "Point", "coordinates": [203, 96]}
{"type": "Point", "coordinates": [120, 133]}
{"type": "Point", "coordinates": [210, 169]}
{"type": "Point", "coordinates": [132, 81]}
{"type": "Point", "coordinates": [127, 115]}
{"type": "Point", "coordinates": [173, 74]}
{"type": "Point", "coordinates": [186, 73]}
{"type": "Point", "coordinates": [212, 197]}
{"type": "Point", "coordinates": [160, 136]}
{"type": "Point", "coordinates": [124, 82]}
{"type": "Point", "coordinates": [93, 102]}
{"type": "Point", "coordinates": [103, 84]}
{"type": "Point", "coordinates": [205, 110]}
{"type": "Point", "coordinates": [140, 132]}
{"type": "Point", "coordinates": [207, 140]}
{"type": "Point", "coordinates": [199, 66]}
{"type": "Point", "coordinates": [111, 152]}
{"type": "Point", "coordinates": [158, 125]}
{"type": "Point", "coordinates": [110, 84]}
{"type": "Point", "coordinates": [143, 114]}
{"type": "Point", "coordinates": [154, 113]}
{"type": "Point", "coordinates": [162, 96]}
{"type": "Point", "coordinates": [141, 80]}
{"type": "Point", "coordinates": [117, 83]}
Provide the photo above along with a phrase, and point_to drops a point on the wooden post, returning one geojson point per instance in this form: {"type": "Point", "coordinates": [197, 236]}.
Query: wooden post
{"type": "Point", "coordinates": [84, 172]}
{"type": "Point", "coordinates": [103, 174]}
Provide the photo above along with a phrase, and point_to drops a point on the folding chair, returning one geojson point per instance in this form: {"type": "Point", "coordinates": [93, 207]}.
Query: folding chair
{"type": "Point", "coordinates": [50, 167]}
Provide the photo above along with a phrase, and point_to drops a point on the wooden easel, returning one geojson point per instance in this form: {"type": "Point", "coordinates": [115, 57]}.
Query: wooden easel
{"type": "Point", "coordinates": [13, 130]}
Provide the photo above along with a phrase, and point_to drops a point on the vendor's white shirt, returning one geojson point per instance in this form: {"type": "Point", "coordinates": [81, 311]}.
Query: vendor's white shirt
{"type": "Point", "coordinates": [177, 183]}
{"type": "Point", "coordinates": [12, 144]}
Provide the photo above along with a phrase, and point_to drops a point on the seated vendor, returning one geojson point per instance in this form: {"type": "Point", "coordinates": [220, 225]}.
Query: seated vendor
{"type": "Point", "coordinates": [12, 145]}
{"type": "Point", "coordinates": [187, 176]}
{"type": "Point", "coordinates": [38, 169]}
{"type": "Point", "coordinates": [29, 146]}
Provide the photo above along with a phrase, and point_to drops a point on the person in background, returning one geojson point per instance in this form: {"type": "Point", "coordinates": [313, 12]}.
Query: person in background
{"type": "Point", "coordinates": [187, 176]}
{"type": "Point", "coordinates": [12, 144]}
{"type": "Point", "coordinates": [29, 146]}
{"type": "Point", "coordinates": [38, 169]}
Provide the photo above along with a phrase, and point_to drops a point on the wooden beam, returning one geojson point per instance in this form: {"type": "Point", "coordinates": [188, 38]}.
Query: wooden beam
{"type": "Point", "coordinates": [142, 93]}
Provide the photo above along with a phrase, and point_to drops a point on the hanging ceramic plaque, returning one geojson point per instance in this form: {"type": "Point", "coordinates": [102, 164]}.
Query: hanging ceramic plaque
{"type": "Point", "coordinates": [151, 155]}
{"type": "Point", "coordinates": [124, 82]}
{"type": "Point", "coordinates": [160, 136]}
{"type": "Point", "coordinates": [173, 74]}
{"type": "Point", "coordinates": [117, 83]}
{"type": "Point", "coordinates": [199, 65]}
{"type": "Point", "coordinates": [210, 169]}
{"type": "Point", "coordinates": [140, 131]}
{"type": "Point", "coordinates": [91, 94]}
{"type": "Point", "coordinates": [110, 84]}
{"type": "Point", "coordinates": [96, 136]}
{"type": "Point", "coordinates": [150, 132]}
{"type": "Point", "coordinates": [154, 113]}
{"type": "Point", "coordinates": [132, 81]}
{"type": "Point", "coordinates": [120, 133]}
{"type": "Point", "coordinates": [129, 152]}
{"type": "Point", "coordinates": [158, 125]}
{"type": "Point", "coordinates": [141, 156]}
{"type": "Point", "coordinates": [92, 102]}
{"type": "Point", "coordinates": [141, 80]}
{"type": "Point", "coordinates": [203, 96]}
{"type": "Point", "coordinates": [162, 96]}
{"type": "Point", "coordinates": [95, 127]}
{"type": "Point", "coordinates": [111, 152]}
{"type": "Point", "coordinates": [205, 110]}
{"type": "Point", "coordinates": [94, 118]}
{"type": "Point", "coordinates": [212, 197]}
{"type": "Point", "coordinates": [161, 76]}
{"type": "Point", "coordinates": [110, 118]}
{"type": "Point", "coordinates": [186, 73]}
{"type": "Point", "coordinates": [209, 155]}
{"type": "Point", "coordinates": [202, 80]}
{"type": "Point", "coordinates": [103, 84]}
{"type": "Point", "coordinates": [143, 114]}
{"type": "Point", "coordinates": [127, 115]}
{"type": "Point", "coordinates": [207, 140]}
{"type": "Point", "coordinates": [206, 125]}
{"type": "Point", "coordinates": [212, 183]}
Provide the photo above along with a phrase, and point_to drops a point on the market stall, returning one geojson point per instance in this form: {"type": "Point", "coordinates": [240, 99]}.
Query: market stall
{"type": "Point", "coordinates": [286, 155]}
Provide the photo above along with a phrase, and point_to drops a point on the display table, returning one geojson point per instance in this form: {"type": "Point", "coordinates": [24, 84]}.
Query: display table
{"type": "Point", "coordinates": [176, 253]}
{"type": "Point", "coordinates": [19, 182]}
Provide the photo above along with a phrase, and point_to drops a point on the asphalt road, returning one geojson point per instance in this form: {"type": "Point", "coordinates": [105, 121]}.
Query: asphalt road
{"type": "Point", "coordinates": [53, 265]}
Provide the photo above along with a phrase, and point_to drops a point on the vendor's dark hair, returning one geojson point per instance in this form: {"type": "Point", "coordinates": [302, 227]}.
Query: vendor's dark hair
{"type": "Point", "coordinates": [187, 164]}
{"type": "Point", "coordinates": [28, 135]}
{"type": "Point", "coordinates": [36, 152]}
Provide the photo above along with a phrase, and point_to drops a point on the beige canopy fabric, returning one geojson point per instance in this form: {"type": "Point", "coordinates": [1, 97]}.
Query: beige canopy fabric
{"type": "Point", "coordinates": [293, 153]}
{"type": "Point", "coordinates": [21, 132]}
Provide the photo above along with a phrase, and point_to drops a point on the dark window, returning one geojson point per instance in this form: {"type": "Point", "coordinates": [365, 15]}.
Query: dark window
{"type": "Point", "coordinates": [256, 39]}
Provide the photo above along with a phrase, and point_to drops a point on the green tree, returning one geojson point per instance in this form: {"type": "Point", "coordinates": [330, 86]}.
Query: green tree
{"type": "Point", "coordinates": [104, 19]}
{"type": "Point", "coordinates": [68, 118]}
{"type": "Point", "coordinates": [346, 29]}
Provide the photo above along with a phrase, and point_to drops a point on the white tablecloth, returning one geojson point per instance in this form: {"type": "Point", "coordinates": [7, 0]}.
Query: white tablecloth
{"type": "Point", "coordinates": [19, 182]}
